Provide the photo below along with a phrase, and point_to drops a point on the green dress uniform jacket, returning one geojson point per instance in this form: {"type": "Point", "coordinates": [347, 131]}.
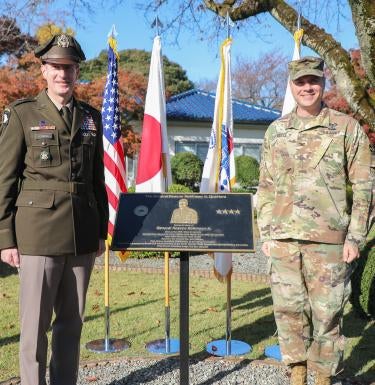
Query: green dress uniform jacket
{"type": "Point", "coordinates": [305, 171]}
{"type": "Point", "coordinates": [53, 199]}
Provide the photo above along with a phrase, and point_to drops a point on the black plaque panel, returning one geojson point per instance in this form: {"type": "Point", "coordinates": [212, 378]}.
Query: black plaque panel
{"type": "Point", "coordinates": [184, 222]}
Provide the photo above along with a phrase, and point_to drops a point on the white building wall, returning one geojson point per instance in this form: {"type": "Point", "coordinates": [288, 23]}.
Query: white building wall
{"type": "Point", "coordinates": [199, 132]}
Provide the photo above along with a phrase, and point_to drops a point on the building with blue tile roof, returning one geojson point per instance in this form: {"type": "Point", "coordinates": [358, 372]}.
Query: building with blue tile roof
{"type": "Point", "coordinates": [189, 119]}
{"type": "Point", "coordinates": [198, 105]}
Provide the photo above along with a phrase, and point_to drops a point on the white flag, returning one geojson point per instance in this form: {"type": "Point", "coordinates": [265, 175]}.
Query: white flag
{"type": "Point", "coordinates": [219, 168]}
{"type": "Point", "coordinates": [289, 102]}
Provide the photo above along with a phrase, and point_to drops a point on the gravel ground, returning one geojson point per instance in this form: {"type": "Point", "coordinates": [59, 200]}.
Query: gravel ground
{"type": "Point", "coordinates": [202, 372]}
{"type": "Point", "coordinates": [253, 263]}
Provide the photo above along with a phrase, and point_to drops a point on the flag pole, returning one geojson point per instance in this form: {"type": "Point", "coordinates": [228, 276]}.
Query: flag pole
{"type": "Point", "coordinates": [228, 334]}
{"type": "Point", "coordinates": [109, 345]}
{"type": "Point", "coordinates": [167, 306]}
{"type": "Point", "coordinates": [167, 345]}
{"type": "Point", "coordinates": [166, 276]}
{"type": "Point", "coordinates": [225, 177]}
{"type": "Point", "coordinates": [106, 295]}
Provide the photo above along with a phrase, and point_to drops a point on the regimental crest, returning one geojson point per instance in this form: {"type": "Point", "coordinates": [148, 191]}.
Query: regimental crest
{"type": "Point", "coordinates": [332, 126]}
{"type": "Point", "coordinates": [63, 41]}
{"type": "Point", "coordinates": [6, 115]}
{"type": "Point", "coordinates": [5, 120]}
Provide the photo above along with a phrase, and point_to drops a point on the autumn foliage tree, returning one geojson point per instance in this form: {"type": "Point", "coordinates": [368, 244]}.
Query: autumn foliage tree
{"type": "Point", "coordinates": [132, 91]}
{"type": "Point", "coordinates": [19, 79]}
{"type": "Point", "coordinates": [22, 78]}
{"type": "Point", "coordinates": [334, 99]}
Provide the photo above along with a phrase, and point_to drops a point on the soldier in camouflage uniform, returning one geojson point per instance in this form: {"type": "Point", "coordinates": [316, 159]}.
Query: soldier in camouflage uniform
{"type": "Point", "coordinates": [53, 211]}
{"type": "Point", "coordinates": [308, 228]}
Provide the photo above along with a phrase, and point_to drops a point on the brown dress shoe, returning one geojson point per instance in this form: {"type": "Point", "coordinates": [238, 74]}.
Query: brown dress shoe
{"type": "Point", "coordinates": [321, 379]}
{"type": "Point", "coordinates": [299, 374]}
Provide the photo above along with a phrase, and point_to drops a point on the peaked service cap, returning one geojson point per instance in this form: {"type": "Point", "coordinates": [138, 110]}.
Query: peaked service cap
{"type": "Point", "coordinates": [61, 48]}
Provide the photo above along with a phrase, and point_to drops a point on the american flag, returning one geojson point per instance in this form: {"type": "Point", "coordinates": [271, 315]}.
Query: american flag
{"type": "Point", "coordinates": [114, 161]}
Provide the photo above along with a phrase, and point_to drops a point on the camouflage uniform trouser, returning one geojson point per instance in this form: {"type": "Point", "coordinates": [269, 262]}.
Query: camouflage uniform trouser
{"type": "Point", "coordinates": [310, 287]}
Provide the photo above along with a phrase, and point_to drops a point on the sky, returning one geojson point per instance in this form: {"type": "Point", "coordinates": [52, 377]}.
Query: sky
{"type": "Point", "coordinates": [196, 54]}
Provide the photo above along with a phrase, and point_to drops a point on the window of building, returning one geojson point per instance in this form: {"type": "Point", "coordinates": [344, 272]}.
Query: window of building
{"type": "Point", "coordinates": [250, 149]}
{"type": "Point", "coordinates": [198, 148]}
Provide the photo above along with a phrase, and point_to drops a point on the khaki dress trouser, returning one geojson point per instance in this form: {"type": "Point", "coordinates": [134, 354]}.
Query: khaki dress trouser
{"type": "Point", "coordinates": [310, 286]}
{"type": "Point", "coordinates": [48, 284]}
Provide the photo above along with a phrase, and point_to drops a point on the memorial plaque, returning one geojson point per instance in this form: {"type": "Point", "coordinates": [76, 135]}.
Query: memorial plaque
{"type": "Point", "coordinates": [184, 222]}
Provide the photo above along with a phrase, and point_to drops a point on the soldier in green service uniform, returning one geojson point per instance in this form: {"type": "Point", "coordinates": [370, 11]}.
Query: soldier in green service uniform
{"type": "Point", "coordinates": [53, 211]}
{"type": "Point", "coordinates": [309, 228]}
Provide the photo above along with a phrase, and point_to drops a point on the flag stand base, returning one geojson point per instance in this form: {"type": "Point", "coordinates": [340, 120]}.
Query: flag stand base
{"type": "Point", "coordinates": [111, 345]}
{"type": "Point", "coordinates": [161, 346]}
{"type": "Point", "coordinates": [273, 351]}
{"type": "Point", "coordinates": [219, 348]}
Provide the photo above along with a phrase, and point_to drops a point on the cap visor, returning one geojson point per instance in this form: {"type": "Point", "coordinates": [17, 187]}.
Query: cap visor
{"type": "Point", "coordinates": [60, 61]}
{"type": "Point", "coordinates": [299, 74]}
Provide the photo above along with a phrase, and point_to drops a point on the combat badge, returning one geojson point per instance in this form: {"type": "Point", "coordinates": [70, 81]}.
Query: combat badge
{"type": "Point", "coordinates": [5, 120]}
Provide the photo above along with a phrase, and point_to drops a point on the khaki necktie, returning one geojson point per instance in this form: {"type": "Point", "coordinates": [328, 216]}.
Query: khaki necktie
{"type": "Point", "coordinates": [67, 116]}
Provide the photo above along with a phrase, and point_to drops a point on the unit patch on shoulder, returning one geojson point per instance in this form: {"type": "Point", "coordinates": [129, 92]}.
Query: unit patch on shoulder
{"type": "Point", "coordinates": [5, 120]}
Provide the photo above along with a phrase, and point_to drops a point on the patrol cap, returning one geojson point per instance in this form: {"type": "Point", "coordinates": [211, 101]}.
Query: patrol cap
{"type": "Point", "coordinates": [308, 65]}
{"type": "Point", "coordinates": [60, 49]}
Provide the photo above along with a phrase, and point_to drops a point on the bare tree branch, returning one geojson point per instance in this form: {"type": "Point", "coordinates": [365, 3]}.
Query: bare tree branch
{"type": "Point", "coordinates": [335, 56]}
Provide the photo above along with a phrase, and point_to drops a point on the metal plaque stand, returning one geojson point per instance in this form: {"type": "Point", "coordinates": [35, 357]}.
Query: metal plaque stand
{"type": "Point", "coordinates": [107, 345]}
{"type": "Point", "coordinates": [228, 347]}
{"type": "Point", "coordinates": [184, 318]}
{"type": "Point", "coordinates": [167, 345]}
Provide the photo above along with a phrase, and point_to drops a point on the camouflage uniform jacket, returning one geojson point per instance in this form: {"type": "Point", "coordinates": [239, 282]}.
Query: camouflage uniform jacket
{"type": "Point", "coordinates": [305, 169]}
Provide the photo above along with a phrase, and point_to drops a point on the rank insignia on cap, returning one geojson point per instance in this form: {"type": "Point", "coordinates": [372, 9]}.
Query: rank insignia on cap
{"type": "Point", "coordinates": [63, 41]}
{"type": "Point", "coordinates": [44, 155]}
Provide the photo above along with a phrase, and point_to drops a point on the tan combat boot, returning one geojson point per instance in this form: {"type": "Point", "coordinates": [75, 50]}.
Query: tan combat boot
{"type": "Point", "coordinates": [299, 374]}
{"type": "Point", "coordinates": [321, 379]}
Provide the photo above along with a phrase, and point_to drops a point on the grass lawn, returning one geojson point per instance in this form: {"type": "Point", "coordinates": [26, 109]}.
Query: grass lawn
{"type": "Point", "coordinates": [137, 313]}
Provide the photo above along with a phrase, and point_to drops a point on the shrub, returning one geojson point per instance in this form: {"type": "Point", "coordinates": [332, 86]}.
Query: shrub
{"type": "Point", "coordinates": [179, 188]}
{"type": "Point", "coordinates": [247, 171]}
{"type": "Point", "coordinates": [187, 170]}
{"type": "Point", "coordinates": [363, 280]}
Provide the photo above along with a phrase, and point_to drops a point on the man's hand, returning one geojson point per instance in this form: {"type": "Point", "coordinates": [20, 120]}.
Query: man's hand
{"type": "Point", "coordinates": [266, 248]}
{"type": "Point", "coordinates": [350, 252]}
{"type": "Point", "coordinates": [11, 257]}
{"type": "Point", "coordinates": [101, 248]}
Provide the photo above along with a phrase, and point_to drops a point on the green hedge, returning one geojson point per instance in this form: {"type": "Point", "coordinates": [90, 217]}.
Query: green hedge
{"type": "Point", "coordinates": [187, 170]}
{"type": "Point", "coordinates": [247, 171]}
{"type": "Point", "coordinates": [363, 280]}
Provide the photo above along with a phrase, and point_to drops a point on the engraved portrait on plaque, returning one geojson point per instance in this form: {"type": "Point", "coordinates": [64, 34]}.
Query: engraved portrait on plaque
{"type": "Point", "coordinates": [184, 214]}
